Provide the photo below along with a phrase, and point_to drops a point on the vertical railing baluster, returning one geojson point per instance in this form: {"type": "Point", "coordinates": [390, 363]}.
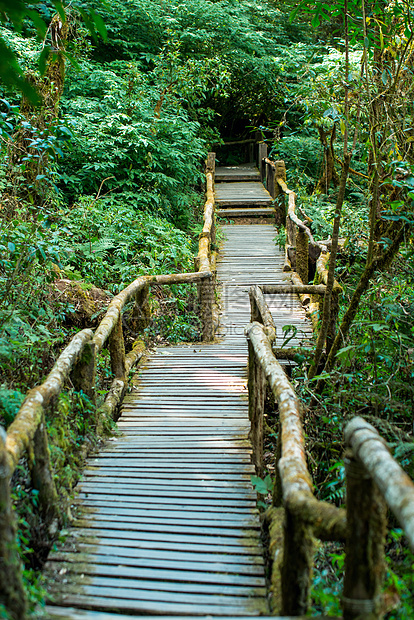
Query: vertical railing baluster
{"type": "Point", "coordinates": [42, 474]}
{"type": "Point", "coordinates": [257, 393]}
{"type": "Point", "coordinates": [302, 256]}
{"type": "Point", "coordinates": [206, 300]}
{"type": "Point", "coordinates": [12, 592]}
{"type": "Point", "coordinates": [279, 195]}
{"type": "Point", "coordinates": [364, 559]}
{"type": "Point", "coordinates": [84, 372]}
{"type": "Point", "coordinates": [116, 347]}
{"type": "Point", "coordinates": [261, 156]}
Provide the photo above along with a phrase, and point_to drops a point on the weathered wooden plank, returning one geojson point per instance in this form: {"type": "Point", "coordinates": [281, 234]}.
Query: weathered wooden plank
{"type": "Point", "coordinates": [160, 574]}
{"type": "Point", "coordinates": [127, 591]}
{"type": "Point", "coordinates": [174, 485]}
{"type": "Point", "coordinates": [152, 607]}
{"type": "Point", "coordinates": [175, 518]}
{"type": "Point", "coordinates": [160, 549]}
{"type": "Point", "coordinates": [107, 523]}
{"type": "Point", "coordinates": [155, 509]}
{"type": "Point", "coordinates": [54, 613]}
{"type": "Point", "coordinates": [208, 468]}
{"type": "Point", "coordinates": [119, 557]}
{"type": "Point", "coordinates": [211, 498]}
{"type": "Point", "coordinates": [186, 478]}
{"type": "Point", "coordinates": [168, 539]}
{"type": "Point", "coordinates": [168, 554]}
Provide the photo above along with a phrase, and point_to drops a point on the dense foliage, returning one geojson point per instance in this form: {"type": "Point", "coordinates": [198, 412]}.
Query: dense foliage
{"type": "Point", "coordinates": [102, 182]}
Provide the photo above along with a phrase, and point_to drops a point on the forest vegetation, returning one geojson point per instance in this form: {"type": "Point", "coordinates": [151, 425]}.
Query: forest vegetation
{"type": "Point", "coordinates": [107, 112]}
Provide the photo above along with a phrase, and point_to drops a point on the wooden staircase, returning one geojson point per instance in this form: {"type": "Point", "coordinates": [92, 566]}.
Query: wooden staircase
{"type": "Point", "coordinates": [239, 192]}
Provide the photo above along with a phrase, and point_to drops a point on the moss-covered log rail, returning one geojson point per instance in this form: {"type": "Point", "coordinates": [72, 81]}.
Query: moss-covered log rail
{"type": "Point", "coordinates": [77, 364]}
{"type": "Point", "coordinates": [374, 481]}
{"type": "Point", "coordinates": [303, 254]}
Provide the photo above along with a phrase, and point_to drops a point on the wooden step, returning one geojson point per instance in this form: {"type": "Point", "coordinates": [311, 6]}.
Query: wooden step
{"type": "Point", "coordinates": [247, 212]}
{"type": "Point", "coordinates": [242, 194]}
{"type": "Point", "coordinates": [70, 613]}
{"type": "Point", "coordinates": [242, 172]}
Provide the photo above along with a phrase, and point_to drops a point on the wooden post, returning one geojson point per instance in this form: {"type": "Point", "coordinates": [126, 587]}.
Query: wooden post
{"type": "Point", "coordinates": [250, 151]}
{"type": "Point", "coordinates": [364, 560]}
{"type": "Point", "coordinates": [42, 474]}
{"type": "Point", "coordinates": [84, 372]}
{"type": "Point", "coordinates": [279, 196]}
{"type": "Point", "coordinates": [298, 550]}
{"type": "Point", "coordinates": [141, 312]}
{"type": "Point", "coordinates": [291, 234]}
{"type": "Point", "coordinates": [257, 393]}
{"type": "Point", "coordinates": [12, 592]}
{"type": "Point", "coordinates": [206, 298]}
{"type": "Point", "coordinates": [302, 255]}
{"type": "Point", "coordinates": [211, 165]}
{"type": "Point", "coordinates": [261, 155]}
{"type": "Point", "coordinates": [270, 179]}
{"type": "Point", "coordinates": [117, 350]}
{"type": "Point", "coordinates": [213, 231]}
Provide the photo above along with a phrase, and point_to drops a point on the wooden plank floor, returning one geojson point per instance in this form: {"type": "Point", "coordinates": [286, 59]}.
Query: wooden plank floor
{"type": "Point", "coordinates": [166, 519]}
{"type": "Point", "coordinates": [249, 256]}
{"type": "Point", "coordinates": [241, 172]}
{"type": "Point", "coordinates": [242, 193]}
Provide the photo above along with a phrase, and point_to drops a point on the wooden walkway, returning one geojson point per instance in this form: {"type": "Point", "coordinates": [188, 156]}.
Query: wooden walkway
{"type": "Point", "coordinates": [241, 193]}
{"type": "Point", "coordinates": [166, 519]}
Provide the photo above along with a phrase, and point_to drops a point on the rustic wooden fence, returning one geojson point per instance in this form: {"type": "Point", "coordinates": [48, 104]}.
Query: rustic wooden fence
{"type": "Point", "coordinates": [374, 481]}
{"type": "Point", "coordinates": [305, 258]}
{"type": "Point", "coordinates": [27, 437]}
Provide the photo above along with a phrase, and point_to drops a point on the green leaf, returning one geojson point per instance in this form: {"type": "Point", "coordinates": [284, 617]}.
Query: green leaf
{"type": "Point", "coordinates": [100, 25]}
{"type": "Point", "coordinates": [262, 486]}
{"type": "Point", "coordinates": [12, 74]}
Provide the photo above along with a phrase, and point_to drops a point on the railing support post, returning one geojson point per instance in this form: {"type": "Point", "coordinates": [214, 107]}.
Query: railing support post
{"type": "Point", "coordinates": [278, 195]}
{"type": "Point", "coordinates": [364, 559]}
{"type": "Point", "coordinates": [117, 350]}
{"type": "Point", "coordinates": [141, 312]}
{"type": "Point", "coordinates": [302, 256]}
{"type": "Point", "coordinates": [211, 165]}
{"type": "Point", "coordinates": [42, 474]}
{"type": "Point", "coordinates": [270, 179]}
{"type": "Point", "coordinates": [84, 372]}
{"type": "Point", "coordinates": [12, 593]}
{"type": "Point", "coordinates": [206, 298]}
{"type": "Point", "coordinates": [262, 154]}
{"type": "Point", "coordinates": [257, 393]}
{"type": "Point", "coordinates": [298, 551]}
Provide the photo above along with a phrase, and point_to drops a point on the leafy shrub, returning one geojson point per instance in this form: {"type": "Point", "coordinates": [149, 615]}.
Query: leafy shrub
{"type": "Point", "coordinates": [102, 249]}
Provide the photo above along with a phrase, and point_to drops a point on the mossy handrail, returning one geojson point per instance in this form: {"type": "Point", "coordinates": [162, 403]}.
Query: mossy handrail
{"type": "Point", "coordinates": [300, 246]}
{"type": "Point", "coordinates": [27, 436]}
{"type": "Point", "coordinates": [374, 480]}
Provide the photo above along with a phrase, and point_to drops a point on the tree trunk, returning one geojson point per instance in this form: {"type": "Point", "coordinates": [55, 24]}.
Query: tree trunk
{"type": "Point", "coordinates": [329, 174]}
{"type": "Point", "coordinates": [326, 313]}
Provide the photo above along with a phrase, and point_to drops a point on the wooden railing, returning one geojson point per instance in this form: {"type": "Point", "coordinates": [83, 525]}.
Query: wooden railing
{"type": "Point", "coordinates": [303, 255]}
{"type": "Point", "coordinates": [27, 436]}
{"type": "Point", "coordinates": [374, 480]}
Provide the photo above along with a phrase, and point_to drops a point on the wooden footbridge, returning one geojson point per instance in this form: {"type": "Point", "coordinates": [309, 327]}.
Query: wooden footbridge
{"type": "Point", "coordinates": [165, 518]}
